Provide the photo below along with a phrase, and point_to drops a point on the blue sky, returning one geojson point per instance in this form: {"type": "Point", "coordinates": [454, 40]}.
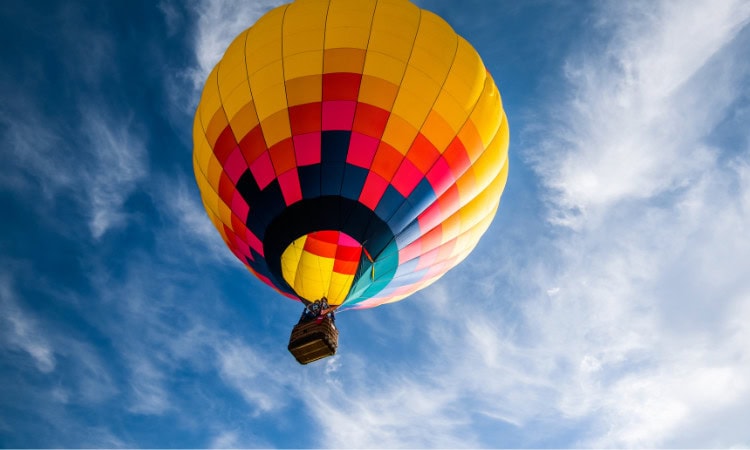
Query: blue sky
{"type": "Point", "coordinates": [607, 306]}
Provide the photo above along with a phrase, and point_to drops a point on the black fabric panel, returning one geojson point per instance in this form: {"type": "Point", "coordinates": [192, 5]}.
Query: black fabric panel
{"type": "Point", "coordinates": [269, 204]}
{"type": "Point", "coordinates": [332, 177]}
{"type": "Point", "coordinates": [309, 180]}
{"type": "Point", "coordinates": [248, 188]}
{"type": "Point", "coordinates": [334, 145]}
{"type": "Point", "coordinates": [354, 181]}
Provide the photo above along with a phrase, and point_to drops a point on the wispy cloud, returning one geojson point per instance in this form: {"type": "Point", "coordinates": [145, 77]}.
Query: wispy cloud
{"type": "Point", "coordinates": [97, 161]}
{"type": "Point", "coordinates": [637, 315]}
{"type": "Point", "coordinates": [638, 109]}
{"type": "Point", "coordinates": [20, 331]}
{"type": "Point", "coordinates": [217, 24]}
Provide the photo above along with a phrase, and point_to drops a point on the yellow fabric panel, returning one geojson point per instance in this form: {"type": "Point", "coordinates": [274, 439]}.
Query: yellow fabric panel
{"type": "Point", "coordinates": [339, 288]}
{"type": "Point", "coordinates": [201, 149]}
{"type": "Point", "coordinates": [394, 27]}
{"type": "Point", "coordinates": [198, 130]}
{"type": "Point", "coordinates": [304, 26]}
{"type": "Point", "coordinates": [290, 260]}
{"type": "Point", "coordinates": [210, 99]}
{"type": "Point", "coordinates": [437, 130]}
{"type": "Point", "coordinates": [216, 126]}
{"type": "Point", "coordinates": [243, 121]}
{"type": "Point", "coordinates": [467, 241]}
{"type": "Point", "coordinates": [307, 89]}
{"type": "Point", "coordinates": [306, 284]}
{"type": "Point", "coordinates": [348, 23]}
{"type": "Point", "coordinates": [264, 40]}
{"type": "Point", "coordinates": [399, 133]}
{"type": "Point", "coordinates": [225, 214]}
{"type": "Point", "coordinates": [493, 159]}
{"type": "Point", "coordinates": [451, 110]}
{"type": "Point", "coordinates": [232, 68]}
{"type": "Point", "coordinates": [268, 89]}
{"type": "Point", "coordinates": [209, 196]}
{"type": "Point", "coordinates": [214, 172]}
{"type": "Point", "coordinates": [303, 64]}
{"type": "Point", "coordinates": [476, 209]}
{"type": "Point", "coordinates": [384, 66]}
{"type": "Point", "coordinates": [486, 168]}
{"type": "Point", "coordinates": [276, 127]}
{"type": "Point", "coordinates": [202, 155]}
{"type": "Point", "coordinates": [415, 97]}
{"type": "Point", "coordinates": [451, 227]}
{"type": "Point", "coordinates": [466, 79]}
{"type": "Point", "coordinates": [434, 47]}
{"type": "Point", "coordinates": [377, 92]}
{"type": "Point", "coordinates": [235, 53]}
{"type": "Point", "coordinates": [349, 60]}
{"type": "Point", "coordinates": [237, 99]}
{"type": "Point", "coordinates": [314, 274]}
{"type": "Point", "coordinates": [487, 112]}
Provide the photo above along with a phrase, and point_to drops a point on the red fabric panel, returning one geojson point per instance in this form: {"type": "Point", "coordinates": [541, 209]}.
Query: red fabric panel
{"type": "Point", "coordinates": [456, 157]}
{"type": "Point", "coordinates": [262, 170]}
{"type": "Point", "coordinates": [226, 189]}
{"type": "Point", "coordinates": [422, 153]}
{"type": "Point", "coordinates": [338, 115]}
{"type": "Point", "coordinates": [341, 86]}
{"type": "Point", "coordinates": [253, 145]}
{"type": "Point", "coordinates": [224, 145]}
{"type": "Point", "coordinates": [307, 149]}
{"type": "Point", "coordinates": [361, 150]}
{"type": "Point", "coordinates": [440, 176]}
{"type": "Point", "coordinates": [282, 156]}
{"type": "Point", "coordinates": [290, 188]}
{"type": "Point", "coordinates": [406, 178]}
{"type": "Point", "coordinates": [370, 120]}
{"type": "Point", "coordinates": [386, 161]}
{"type": "Point", "coordinates": [239, 208]}
{"type": "Point", "coordinates": [373, 190]}
{"type": "Point", "coordinates": [305, 118]}
{"type": "Point", "coordinates": [235, 165]}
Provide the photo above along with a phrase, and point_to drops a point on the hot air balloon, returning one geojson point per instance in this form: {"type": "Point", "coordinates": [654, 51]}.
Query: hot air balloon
{"type": "Point", "coordinates": [349, 152]}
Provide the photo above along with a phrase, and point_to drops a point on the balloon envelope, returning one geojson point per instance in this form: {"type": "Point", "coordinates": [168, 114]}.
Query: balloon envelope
{"type": "Point", "coordinates": [350, 149]}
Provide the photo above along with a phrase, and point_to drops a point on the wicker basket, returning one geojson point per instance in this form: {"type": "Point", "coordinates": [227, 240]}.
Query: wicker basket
{"type": "Point", "coordinates": [314, 340]}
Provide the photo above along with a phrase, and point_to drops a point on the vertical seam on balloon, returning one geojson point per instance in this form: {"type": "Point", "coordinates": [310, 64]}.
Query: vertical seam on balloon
{"type": "Point", "coordinates": [260, 127]}
{"type": "Point", "coordinates": [356, 107]}
{"type": "Point", "coordinates": [398, 90]}
{"type": "Point", "coordinates": [356, 104]}
{"type": "Point", "coordinates": [322, 87]}
{"type": "Point", "coordinates": [406, 200]}
{"type": "Point", "coordinates": [286, 94]}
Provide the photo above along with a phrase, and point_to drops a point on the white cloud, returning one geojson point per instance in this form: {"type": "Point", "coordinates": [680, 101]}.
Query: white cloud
{"type": "Point", "coordinates": [116, 163]}
{"type": "Point", "coordinates": [639, 331]}
{"type": "Point", "coordinates": [218, 23]}
{"type": "Point", "coordinates": [20, 331]}
{"type": "Point", "coordinates": [260, 382]}
{"type": "Point", "coordinates": [91, 156]}
{"type": "Point", "coordinates": [638, 109]}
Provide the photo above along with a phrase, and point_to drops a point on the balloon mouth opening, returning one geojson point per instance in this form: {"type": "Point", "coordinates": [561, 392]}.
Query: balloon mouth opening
{"type": "Point", "coordinates": [322, 264]}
